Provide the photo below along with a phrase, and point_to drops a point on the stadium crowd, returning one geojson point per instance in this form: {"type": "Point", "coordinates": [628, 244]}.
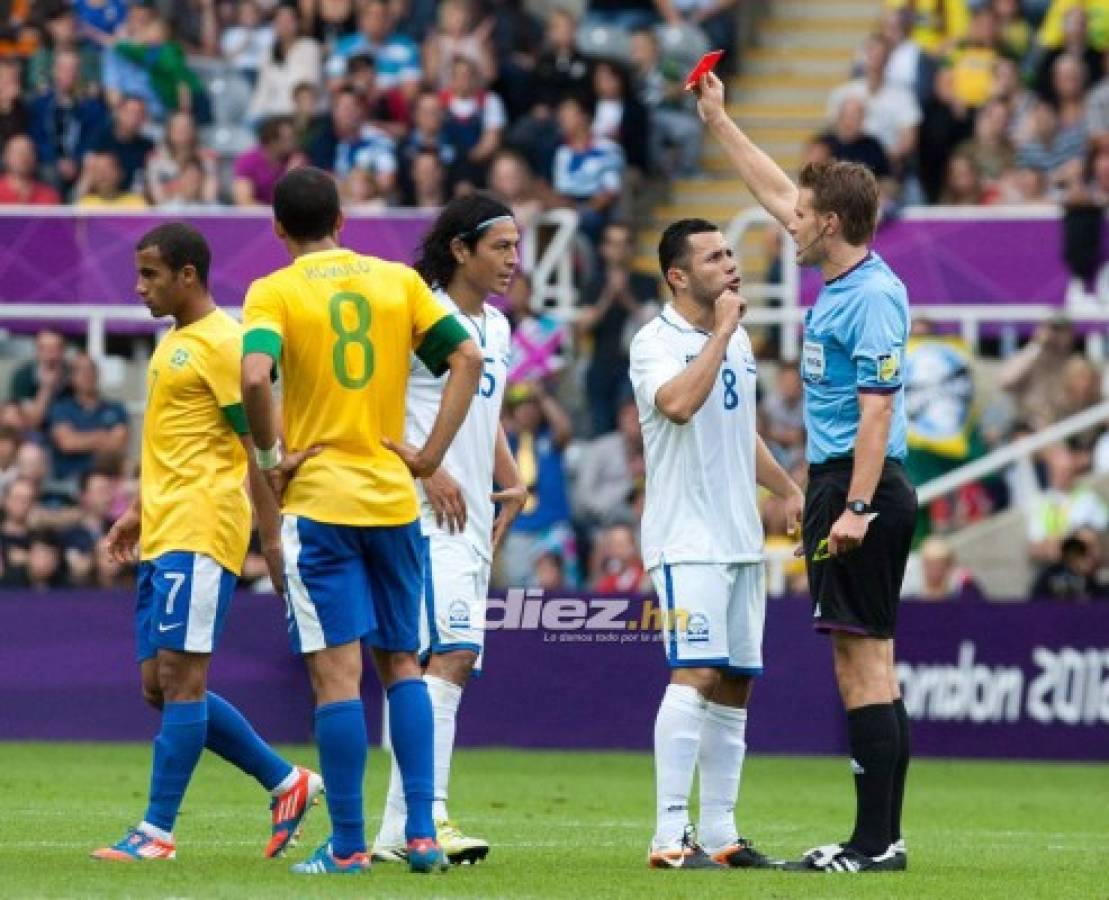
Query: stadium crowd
{"type": "Point", "coordinates": [111, 103]}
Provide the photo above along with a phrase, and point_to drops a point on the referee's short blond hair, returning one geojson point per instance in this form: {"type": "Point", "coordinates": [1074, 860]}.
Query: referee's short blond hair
{"type": "Point", "coordinates": [848, 189]}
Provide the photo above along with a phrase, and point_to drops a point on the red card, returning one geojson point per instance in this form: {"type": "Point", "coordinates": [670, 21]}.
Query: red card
{"type": "Point", "coordinates": [707, 64]}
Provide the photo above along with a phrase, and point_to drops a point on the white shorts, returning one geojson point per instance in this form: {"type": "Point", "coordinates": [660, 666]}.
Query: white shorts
{"type": "Point", "coordinates": [456, 589]}
{"type": "Point", "coordinates": [713, 615]}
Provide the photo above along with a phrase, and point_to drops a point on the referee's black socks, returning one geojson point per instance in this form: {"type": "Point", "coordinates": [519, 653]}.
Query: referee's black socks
{"type": "Point", "coordinates": [901, 769]}
{"type": "Point", "coordinates": [873, 734]}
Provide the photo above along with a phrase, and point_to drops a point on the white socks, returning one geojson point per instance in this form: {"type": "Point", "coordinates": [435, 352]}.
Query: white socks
{"type": "Point", "coordinates": [723, 745]}
{"type": "Point", "coordinates": [678, 729]}
{"type": "Point", "coordinates": [445, 698]}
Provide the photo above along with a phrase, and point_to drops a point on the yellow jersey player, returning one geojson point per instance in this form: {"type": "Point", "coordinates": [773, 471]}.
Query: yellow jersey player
{"type": "Point", "coordinates": [343, 327]}
{"type": "Point", "coordinates": [190, 525]}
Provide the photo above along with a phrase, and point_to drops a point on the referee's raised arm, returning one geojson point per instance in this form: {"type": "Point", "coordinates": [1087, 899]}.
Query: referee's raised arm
{"type": "Point", "coordinates": [772, 187]}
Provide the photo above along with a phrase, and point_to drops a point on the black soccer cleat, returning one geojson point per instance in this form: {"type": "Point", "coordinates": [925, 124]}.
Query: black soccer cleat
{"type": "Point", "coordinates": [687, 855]}
{"type": "Point", "coordinates": [743, 855]}
{"type": "Point", "coordinates": [842, 858]}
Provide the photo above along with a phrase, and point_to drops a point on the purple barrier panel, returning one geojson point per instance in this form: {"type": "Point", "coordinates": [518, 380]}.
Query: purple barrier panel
{"type": "Point", "coordinates": [60, 259]}
{"type": "Point", "coordinates": [989, 680]}
{"type": "Point", "coordinates": [972, 261]}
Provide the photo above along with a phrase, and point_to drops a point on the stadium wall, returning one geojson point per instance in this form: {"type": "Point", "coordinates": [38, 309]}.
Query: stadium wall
{"type": "Point", "coordinates": [985, 680]}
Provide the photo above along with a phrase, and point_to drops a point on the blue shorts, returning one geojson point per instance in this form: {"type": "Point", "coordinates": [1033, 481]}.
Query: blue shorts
{"type": "Point", "coordinates": [351, 583]}
{"type": "Point", "coordinates": [182, 602]}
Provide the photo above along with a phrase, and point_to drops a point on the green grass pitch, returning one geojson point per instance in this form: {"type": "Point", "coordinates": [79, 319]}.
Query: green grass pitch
{"type": "Point", "coordinates": [561, 825]}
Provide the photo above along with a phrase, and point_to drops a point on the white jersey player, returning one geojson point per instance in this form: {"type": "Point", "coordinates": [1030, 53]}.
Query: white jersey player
{"type": "Point", "coordinates": [469, 253]}
{"type": "Point", "coordinates": [694, 376]}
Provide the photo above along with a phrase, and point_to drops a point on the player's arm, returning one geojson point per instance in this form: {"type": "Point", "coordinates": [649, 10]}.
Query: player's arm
{"type": "Point", "coordinates": [268, 516]}
{"type": "Point", "coordinates": [772, 187]}
{"type": "Point", "coordinates": [682, 396]}
{"type": "Point", "coordinates": [512, 495]}
{"type": "Point", "coordinates": [123, 536]}
{"type": "Point", "coordinates": [464, 364]}
{"type": "Point", "coordinates": [770, 475]}
{"type": "Point", "coordinates": [562, 430]}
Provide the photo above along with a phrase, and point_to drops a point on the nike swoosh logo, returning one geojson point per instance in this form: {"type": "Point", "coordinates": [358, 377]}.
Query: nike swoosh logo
{"type": "Point", "coordinates": [165, 628]}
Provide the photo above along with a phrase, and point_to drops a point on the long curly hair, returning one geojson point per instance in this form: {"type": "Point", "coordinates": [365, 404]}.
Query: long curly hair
{"type": "Point", "coordinates": [464, 218]}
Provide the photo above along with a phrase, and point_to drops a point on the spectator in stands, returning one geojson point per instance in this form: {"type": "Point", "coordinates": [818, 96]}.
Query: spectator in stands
{"type": "Point", "coordinates": [675, 132]}
{"type": "Point", "coordinates": [36, 383]}
{"type": "Point", "coordinates": [18, 37]}
{"type": "Point", "coordinates": [32, 465]}
{"type": "Point", "coordinates": [783, 418]}
{"type": "Point", "coordinates": [247, 43]}
{"type": "Point", "coordinates": [14, 115]}
{"type": "Point", "coordinates": [587, 174]}
{"type": "Point", "coordinates": [892, 114]}
{"type": "Point", "coordinates": [195, 23]}
{"type": "Point", "coordinates": [473, 123]}
{"type": "Point", "coordinates": [973, 59]}
{"type": "Point", "coordinates": [101, 184]}
{"type": "Point", "coordinates": [848, 142]}
{"type": "Point", "coordinates": [121, 77]}
{"type": "Point", "coordinates": [517, 38]}
{"type": "Point", "coordinates": [539, 340]}
{"type": "Point", "coordinates": [559, 71]}
{"type": "Point", "coordinates": [18, 184]}
{"type": "Point", "coordinates": [428, 181]}
{"type": "Point", "coordinates": [963, 185]}
{"type": "Point", "coordinates": [124, 139]}
{"type": "Point", "coordinates": [258, 170]}
{"type": "Point", "coordinates": [1080, 389]}
{"type": "Point", "coordinates": [396, 57]}
{"type": "Point", "coordinates": [1010, 90]}
{"type": "Point", "coordinates": [1076, 577]}
{"type": "Point", "coordinates": [937, 24]}
{"type": "Point", "coordinates": [293, 59]}
{"type": "Point", "coordinates": [1094, 188]}
{"type": "Point", "coordinates": [15, 531]}
{"type": "Point", "coordinates": [1054, 150]}
{"type": "Point", "coordinates": [1075, 43]}
{"type": "Point", "coordinates": [190, 187]}
{"type": "Point", "coordinates": [1014, 32]}
{"type": "Point", "coordinates": [388, 109]}
{"type": "Point", "coordinates": [908, 66]}
{"type": "Point", "coordinates": [512, 180]}
{"type": "Point", "coordinates": [1063, 508]}
{"type": "Point", "coordinates": [550, 573]}
{"type": "Point", "coordinates": [9, 446]}
{"type": "Point", "coordinates": [85, 526]}
{"type": "Point", "coordinates": [1024, 185]}
{"type": "Point", "coordinates": [990, 148]}
{"type": "Point", "coordinates": [103, 15]}
{"type": "Point", "coordinates": [459, 35]}
{"type": "Point", "coordinates": [617, 566]}
{"type": "Point", "coordinates": [310, 122]}
{"type": "Point", "coordinates": [62, 35]}
{"type": "Point", "coordinates": [181, 146]}
{"type": "Point", "coordinates": [609, 467]}
{"type": "Point", "coordinates": [361, 144]}
{"type": "Point", "coordinates": [1034, 374]}
{"type": "Point", "coordinates": [538, 432]}
{"type": "Point", "coordinates": [426, 136]}
{"type": "Point", "coordinates": [173, 83]}
{"type": "Point", "coordinates": [64, 122]}
{"type": "Point", "coordinates": [940, 577]}
{"type": "Point", "coordinates": [619, 115]}
{"type": "Point", "coordinates": [44, 570]}
{"type": "Point", "coordinates": [614, 304]}
{"type": "Point", "coordinates": [715, 18]}
{"type": "Point", "coordinates": [83, 424]}
{"type": "Point", "coordinates": [328, 20]}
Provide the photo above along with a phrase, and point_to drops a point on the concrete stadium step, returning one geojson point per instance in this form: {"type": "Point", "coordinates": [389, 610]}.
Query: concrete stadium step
{"type": "Point", "coordinates": [779, 62]}
{"type": "Point", "coordinates": [784, 94]}
{"type": "Point", "coordinates": [775, 113]}
{"type": "Point", "coordinates": [719, 165]}
{"type": "Point", "coordinates": [828, 9]}
{"type": "Point", "coordinates": [808, 40]}
{"type": "Point", "coordinates": [713, 190]}
{"type": "Point", "coordinates": [816, 22]}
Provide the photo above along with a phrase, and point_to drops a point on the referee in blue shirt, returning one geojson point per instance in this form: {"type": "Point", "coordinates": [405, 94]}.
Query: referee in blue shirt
{"type": "Point", "coordinates": [859, 507]}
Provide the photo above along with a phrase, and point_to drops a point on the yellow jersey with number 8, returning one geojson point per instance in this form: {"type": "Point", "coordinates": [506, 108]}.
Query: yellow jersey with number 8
{"type": "Point", "coordinates": [343, 327]}
{"type": "Point", "coordinates": [193, 481]}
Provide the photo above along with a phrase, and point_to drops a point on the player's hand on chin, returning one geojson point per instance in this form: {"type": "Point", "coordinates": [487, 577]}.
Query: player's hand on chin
{"type": "Point", "coordinates": [848, 533]}
{"type": "Point", "coordinates": [418, 465]}
{"type": "Point", "coordinates": [512, 500]}
{"type": "Point", "coordinates": [730, 308]}
{"type": "Point", "coordinates": [445, 496]}
{"type": "Point", "coordinates": [123, 538]}
{"type": "Point", "coordinates": [281, 474]}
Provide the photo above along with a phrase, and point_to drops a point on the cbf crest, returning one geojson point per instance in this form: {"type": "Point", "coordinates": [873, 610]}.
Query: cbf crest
{"type": "Point", "coordinates": [179, 358]}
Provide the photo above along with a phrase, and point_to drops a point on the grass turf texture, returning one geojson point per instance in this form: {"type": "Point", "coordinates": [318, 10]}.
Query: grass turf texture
{"type": "Point", "coordinates": [561, 825]}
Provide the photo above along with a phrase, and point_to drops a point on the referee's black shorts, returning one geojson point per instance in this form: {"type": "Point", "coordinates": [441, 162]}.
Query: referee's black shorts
{"type": "Point", "coordinates": [858, 592]}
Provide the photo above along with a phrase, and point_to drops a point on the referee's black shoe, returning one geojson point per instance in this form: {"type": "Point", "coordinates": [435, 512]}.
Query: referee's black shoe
{"type": "Point", "coordinates": [743, 855]}
{"type": "Point", "coordinates": [840, 858]}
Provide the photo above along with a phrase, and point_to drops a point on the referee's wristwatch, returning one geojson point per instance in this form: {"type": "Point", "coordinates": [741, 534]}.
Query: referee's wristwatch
{"type": "Point", "coordinates": [859, 507]}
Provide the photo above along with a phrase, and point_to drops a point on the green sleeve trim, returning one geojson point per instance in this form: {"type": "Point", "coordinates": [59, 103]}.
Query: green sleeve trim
{"type": "Point", "coordinates": [441, 340]}
{"type": "Point", "coordinates": [263, 340]}
{"type": "Point", "coordinates": [236, 418]}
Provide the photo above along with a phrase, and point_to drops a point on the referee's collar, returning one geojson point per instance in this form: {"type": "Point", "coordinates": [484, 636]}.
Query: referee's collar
{"type": "Point", "coordinates": [675, 319]}
{"type": "Point", "coordinates": [862, 262]}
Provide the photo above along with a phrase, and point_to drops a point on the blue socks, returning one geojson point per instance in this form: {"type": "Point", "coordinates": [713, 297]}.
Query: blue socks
{"type": "Point", "coordinates": [343, 745]}
{"type": "Point", "coordinates": [411, 728]}
{"type": "Point", "coordinates": [177, 749]}
{"type": "Point", "coordinates": [231, 736]}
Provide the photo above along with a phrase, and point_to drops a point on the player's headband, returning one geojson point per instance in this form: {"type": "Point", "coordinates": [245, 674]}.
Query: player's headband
{"type": "Point", "coordinates": [481, 226]}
